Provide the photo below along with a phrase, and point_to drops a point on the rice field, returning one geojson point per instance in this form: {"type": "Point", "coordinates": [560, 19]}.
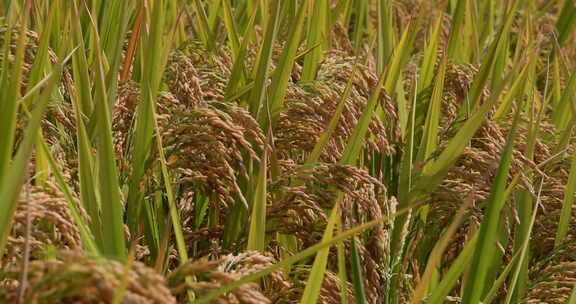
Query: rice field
{"type": "Point", "coordinates": [294, 151]}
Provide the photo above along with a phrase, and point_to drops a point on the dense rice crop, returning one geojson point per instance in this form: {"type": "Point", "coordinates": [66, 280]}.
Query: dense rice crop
{"type": "Point", "coordinates": [294, 151]}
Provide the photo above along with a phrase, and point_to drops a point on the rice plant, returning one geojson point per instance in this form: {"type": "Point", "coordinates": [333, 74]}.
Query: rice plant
{"type": "Point", "coordinates": [297, 151]}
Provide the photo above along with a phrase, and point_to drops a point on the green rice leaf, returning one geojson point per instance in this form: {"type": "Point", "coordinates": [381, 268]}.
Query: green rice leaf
{"type": "Point", "coordinates": [82, 96]}
{"type": "Point", "coordinates": [202, 27]}
{"type": "Point", "coordinates": [437, 168]}
{"type": "Point", "coordinates": [112, 210]}
{"type": "Point", "coordinates": [481, 262]}
{"type": "Point", "coordinates": [430, 137]}
{"type": "Point", "coordinates": [456, 38]}
{"type": "Point", "coordinates": [499, 282]}
{"type": "Point", "coordinates": [316, 36]}
{"type": "Point", "coordinates": [566, 21]}
{"type": "Point", "coordinates": [562, 113]}
{"type": "Point", "coordinates": [260, 72]}
{"type": "Point", "coordinates": [144, 125]}
{"type": "Point", "coordinates": [436, 254]}
{"type": "Point", "coordinates": [429, 55]}
{"type": "Point", "coordinates": [523, 253]}
{"type": "Point", "coordinates": [386, 34]}
{"type": "Point", "coordinates": [567, 201]}
{"type": "Point", "coordinates": [489, 61]}
{"type": "Point", "coordinates": [283, 70]}
{"type": "Point", "coordinates": [572, 299]}
{"type": "Point", "coordinates": [516, 88]}
{"type": "Point", "coordinates": [231, 29]}
{"type": "Point", "coordinates": [342, 267]}
{"type": "Point", "coordinates": [316, 277]}
{"type": "Point", "coordinates": [327, 134]}
{"type": "Point", "coordinates": [10, 93]}
{"type": "Point", "coordinates": [257, 232]}
{"type": "Point", "coordinates": [237, 75]}
{"type": "Point", "coordinates": [451, 277]}
{"type": "Point", "coordinates": [356, 139]}
{"type": "Point", "coordinates": [357, 277]}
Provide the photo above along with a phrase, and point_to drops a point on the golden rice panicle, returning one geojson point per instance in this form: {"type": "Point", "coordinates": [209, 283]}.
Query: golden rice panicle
{"type": "Point", "coordinates": [51, 222]}
{"type": "Point", "coordinates": [553, 284]}
{"type": "Point", "coordinates": [339, 40]}
{"type": "Point", "coordinates": [329, 291]}
{"type": "Point", "coordinates": [29, 51]}
{"type": "Point", "coordinates": [193, 76]}
{"type": "Point", "coordinates": [207, 148]}
{"type": "Point", "coordinates": [183, 79]}
{"type": "Point", "coordinates": [309, 108]}
{"type": "Point", "coordinates": [301, 210]}
{"type": "Point", "coordinates": [59, 112]}
{"type": "Point", "coordinates": [546, 223]}
{"type": "Point", "coordinates": [206, 145]}
{"type": "Point", "coordinates": [216, 273]}
{"type": "Point", "coordinates": [457, 83]}
{"type": "Point", "coordinates": [75, 278]}
{"type": "Point", "coordinates": [124, 114]}
{"type": "Point", "coordinates": [212, 70]}
{"type": "Point", "coordinates": [472, 176]}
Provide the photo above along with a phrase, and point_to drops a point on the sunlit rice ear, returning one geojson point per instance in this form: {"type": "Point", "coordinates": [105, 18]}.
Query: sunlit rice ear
{"type": "Point", "coordinates": [301, 211]}
{"type": "Point", "coordinates": [310, 106]}
{"type": "Point", "coordinates": [71, 277]}
{"type": "Point", "coordinates": [52, 225]}
{"type": "Point", "coordinates": [213, 274]}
